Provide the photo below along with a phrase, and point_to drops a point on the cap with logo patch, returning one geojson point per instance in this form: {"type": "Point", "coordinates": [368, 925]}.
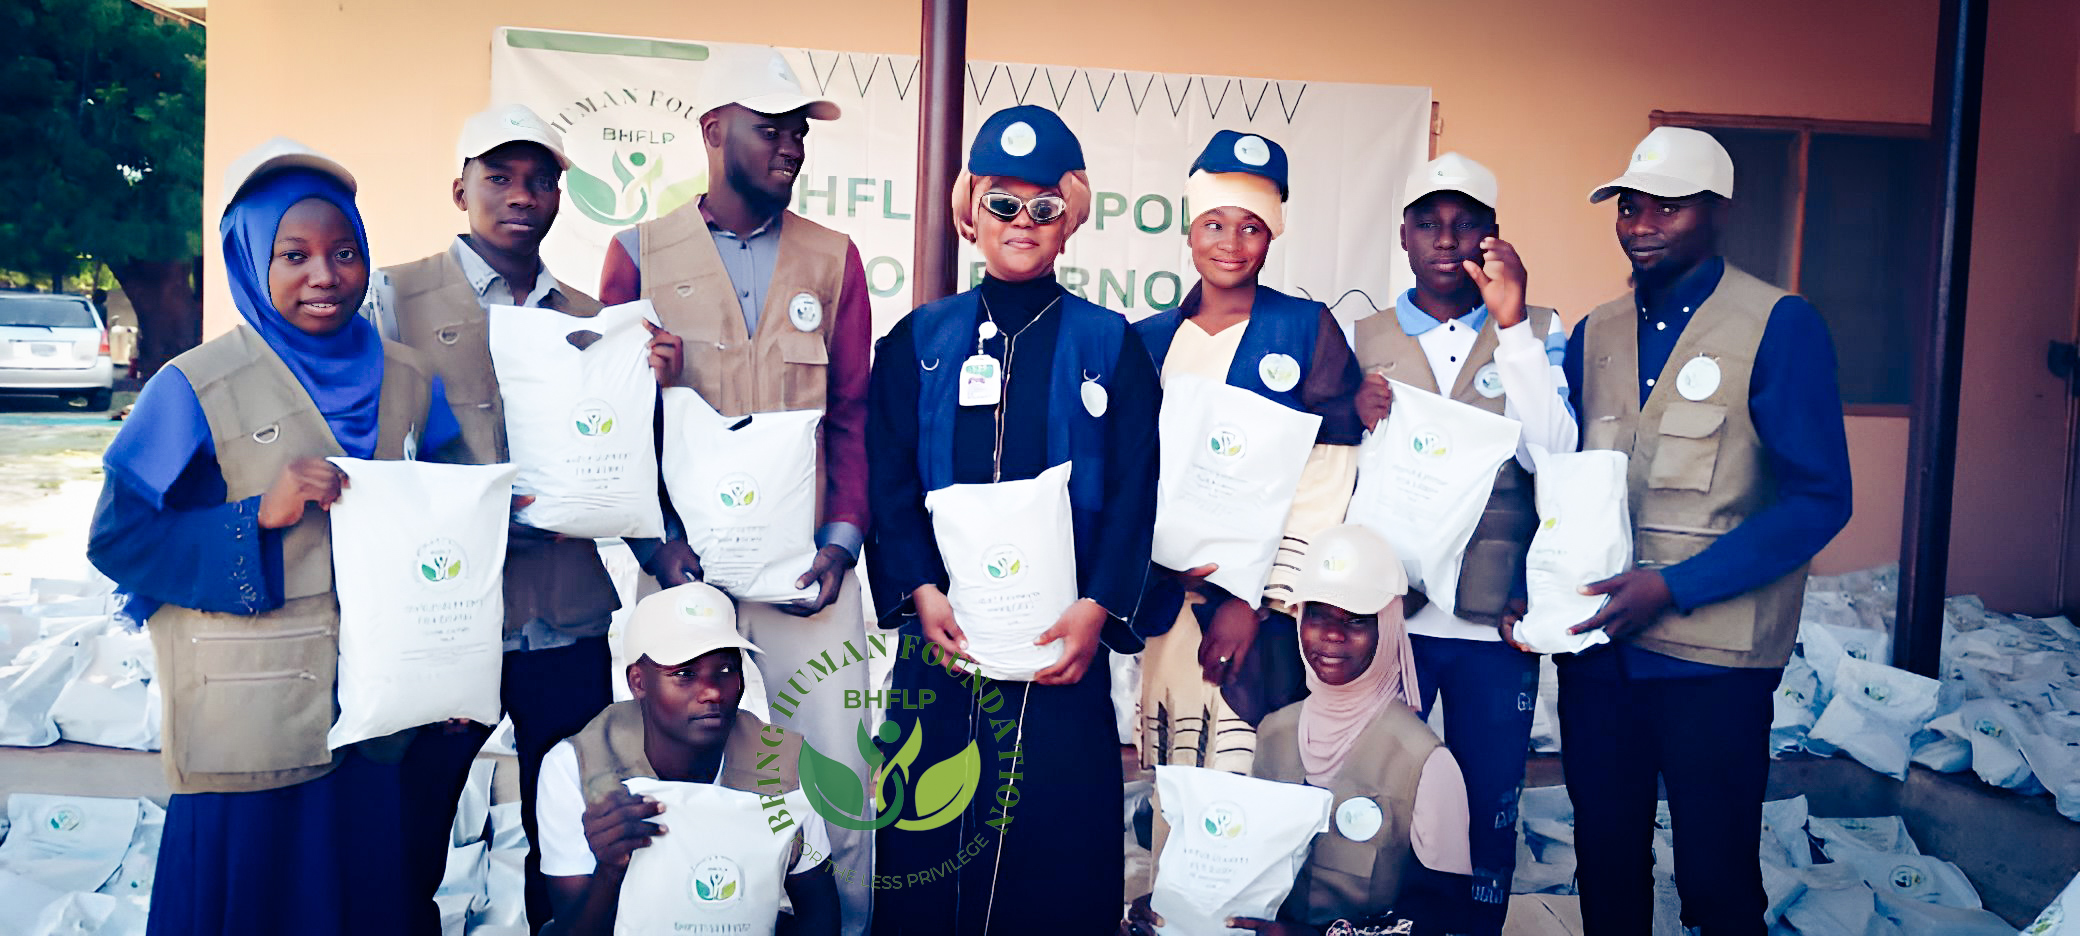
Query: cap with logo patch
{"type": "Point", "coordinates": [681, 623]}
{"type": "Point", "coordinates": [490, 129]}
{"type": "Point", "coordinates": [1026, 142]}
{"type": "Point", "coordinates": [279, 153]}
{"type": "Point", "coordinates": [1353, 568]}
{"type": "Point", "coordinates": [757, 78]}
{"type": "Point", "coordinates": [1450, 173]}
{"type": "Point", "coordinates": [1673, 162]}
{"type": "Point", "coordinates": [1240, 170]}
{"type": "Point", "coordinates": [1234, 151]}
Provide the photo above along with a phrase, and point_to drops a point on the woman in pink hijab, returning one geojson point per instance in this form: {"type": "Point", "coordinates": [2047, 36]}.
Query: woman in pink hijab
{"type": "Point", "coordinates": [1398, 829]}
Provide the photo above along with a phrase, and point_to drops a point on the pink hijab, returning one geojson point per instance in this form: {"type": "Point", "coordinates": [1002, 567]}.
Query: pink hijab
{"type": "Point", "coordinates": [1332, 717]}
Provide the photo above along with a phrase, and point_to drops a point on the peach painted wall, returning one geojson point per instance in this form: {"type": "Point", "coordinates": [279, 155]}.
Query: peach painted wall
{"type": "Point", "coordinates": [1552, 96]}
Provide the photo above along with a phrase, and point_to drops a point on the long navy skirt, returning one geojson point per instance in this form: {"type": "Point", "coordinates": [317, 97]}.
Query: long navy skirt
{"type": "Point", "coordinates": [1059, 865]}
{"type": "Point", "coordinates": [321, 858]}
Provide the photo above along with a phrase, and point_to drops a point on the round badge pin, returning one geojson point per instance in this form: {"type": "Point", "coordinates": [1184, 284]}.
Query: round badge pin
{"type": "Point", "coordinates": [1095, 398]}
{"type": "Point", "coordinates": [1359, 819]}
{"type": "Point", "coordinates": [1279, 372]}
{"type": "Point", "coordinates": [1251, 150]}
{"type": "Point", "coordinates": [1018, 139]}
{"type": "Point", "coordinates": [1488, 381]}
{"type": "Point", "coordinates": [1698, 379]}
{"type": "Point", "coordinates": [805, 312]}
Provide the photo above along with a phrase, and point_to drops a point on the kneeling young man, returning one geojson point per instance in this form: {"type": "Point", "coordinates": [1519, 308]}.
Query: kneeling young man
{"type": "Point", "coordinates": [683, 725]}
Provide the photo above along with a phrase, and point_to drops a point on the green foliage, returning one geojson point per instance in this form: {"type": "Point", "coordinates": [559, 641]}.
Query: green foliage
{"type": "Point", "coordinates": [101, 109]}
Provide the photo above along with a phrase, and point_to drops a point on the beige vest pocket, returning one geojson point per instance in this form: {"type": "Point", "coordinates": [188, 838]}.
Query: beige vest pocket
{"type": "Point", "coordinates": [257, 701]}
{"type": "Point", "coordinates": [1689, 447]}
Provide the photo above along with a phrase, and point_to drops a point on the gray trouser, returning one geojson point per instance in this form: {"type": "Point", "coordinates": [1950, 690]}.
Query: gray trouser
{"type": "Point", "coordinates": [787, 644]}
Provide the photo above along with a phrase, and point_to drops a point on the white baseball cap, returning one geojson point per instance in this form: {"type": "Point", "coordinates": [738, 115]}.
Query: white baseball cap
{"type": "Point", "coordinates": [279, 153]}
{"type": "Point", "coordinates": [681, 623]}
{"type": "Point", "coordinates": [1673, 162]}
{"type": "Point", "coordinates": [1353, 568]}
{"type": "Point", "coordinates": [1450, 173]}
{"type": "Point", "coordinates": [759, 78]}
{"type": "Point", "coordinates": [488, 130]}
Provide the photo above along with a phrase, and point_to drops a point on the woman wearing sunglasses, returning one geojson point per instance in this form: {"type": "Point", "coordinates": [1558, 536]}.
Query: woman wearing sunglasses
{"type": "Point", "coordinates": [1208, 679]}
{"type": "Point", "coordinates": [1068, 381]}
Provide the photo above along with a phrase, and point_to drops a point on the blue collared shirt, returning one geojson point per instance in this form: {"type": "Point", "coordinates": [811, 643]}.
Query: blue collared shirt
{"type": "Point", "coordinates": [1795, 402]}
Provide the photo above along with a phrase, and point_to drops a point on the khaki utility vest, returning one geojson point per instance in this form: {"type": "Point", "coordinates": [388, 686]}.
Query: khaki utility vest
{"type": "Point", "coordinates": [1493, 568]}
{"type": "Point", "coordinates": [248, 698]}
{"type": "Point", "coordinates": [562, 582]}
{"type": "Point", "coordinates": [782, 367]}
{"type": "Point", "coordinates": [1698, 468]}
{"type": "Point", "coordinates": [1345, 879]}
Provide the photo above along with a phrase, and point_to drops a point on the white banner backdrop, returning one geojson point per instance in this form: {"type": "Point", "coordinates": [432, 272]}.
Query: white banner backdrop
{"type": "Point", "coordinates": [634, 143]}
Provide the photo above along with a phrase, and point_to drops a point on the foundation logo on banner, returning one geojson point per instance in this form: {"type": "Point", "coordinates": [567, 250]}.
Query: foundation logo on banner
{"type": "Point", "coordinates": [1222, 820]}
{"type": "Point", "coordinates": [1003, 563]}
{"type": "Point", "coordinates": [737, 492]}
{"type": "Point", "coordinates": [593, 418]}
{"type": "Point", "coordinates": [1430, 441]}
{"type": "Point", "coordinates": [934, 795]}
{"type": "Point", "coordinates": [440, 561]}
{"type": "Point", "coordinates": [716, 882]}
{"type": "Point", "coordinates": [634, 194]}
{"type": "Point", "coordinates": [1227, 442]}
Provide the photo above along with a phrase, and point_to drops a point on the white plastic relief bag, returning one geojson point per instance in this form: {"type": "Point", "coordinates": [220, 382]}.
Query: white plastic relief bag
{"type": "Point", "coordinates": [70, 843]}
{"type": "Point", "coordinates": [30, 684]}
{"type": "Point", "coordinates": [1236, 844]}
{"type": "Point", "coordinates": [2061, 917]}
{"type": "Point", "coordinates": [112, 702]}
{"type": "Point", "coordinates": [1993, 729]}
{"type": "Point", "coordinates": [1584, 535]}
{"type": "Point", "coordinates": [746, 491]}
{"type": "Point", "coordinates": [579, 423]}
{"type": "Point", "coordinates": [418, 560]}
{"type": "Point", "coordinates": [1231, 463]}
{"type": "Point", "coordinates": [726, 877]}
{"type": "Point", "coordinates": [1874, 714]}
{"type": "Point", "coordinates": [1423, 478]}
{"type": "Point", "coordinates": [1796, 705]}
{"type": "Point", "coordinates": [1010, 554]}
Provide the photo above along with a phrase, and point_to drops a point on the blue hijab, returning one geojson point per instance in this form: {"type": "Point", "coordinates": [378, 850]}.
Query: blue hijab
{"type": "Point", "coordinates": [343, 371]}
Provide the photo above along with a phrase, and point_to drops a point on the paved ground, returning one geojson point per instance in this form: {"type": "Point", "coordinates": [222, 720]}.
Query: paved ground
{"type": "Point", "coordinates": [50, 477]}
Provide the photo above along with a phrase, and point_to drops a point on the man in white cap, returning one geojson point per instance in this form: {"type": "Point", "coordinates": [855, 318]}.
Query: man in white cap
{"type": "Point", "coordinates": [683, 724]}
{"type": "Point", "coordinates": [774, 311]}
{"type": "Point", "coordinates": [558, 596]}
{"type": "Point", "coordinates": [1465, 331]}
{"type": "Point", "coordinates": [1721, 389]}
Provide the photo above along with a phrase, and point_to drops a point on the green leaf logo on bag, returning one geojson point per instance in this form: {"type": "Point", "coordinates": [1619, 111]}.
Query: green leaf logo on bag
{"type": "Point", "coordinates": [1222, 820]}
{"type": "Point", "coordinates": [1227, 442]}
{"type": "Point", "coordinates": [1989, 728]}
{"type": "Point", "coordinates": [625, 200]}
{"type": "Point", "coordinates": [938, 793]}
{"type": "Point", "coordinates": [63, 817]}
{"type": "Point", "coordinates": [439, 562]}
{"type": "Point", "coordinates": [1003, 563]}
{"type": "Point", "coordinates": [737, 491]}
{"type": "Point", "coordinates": [1430, 441]}
{"type": "Point", "coordinates": [717, 882]}
{"type": "Point", "coordinates": [2047, 921]}
{"type": "Point", "coordinates": [593, 419]}
{"type": "Point", "coordinates": [1906, 877]}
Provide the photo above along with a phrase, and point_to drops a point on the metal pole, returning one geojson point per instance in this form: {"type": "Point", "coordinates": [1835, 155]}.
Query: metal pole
{"type": "Point", "coordinates": [1932, 434]}
{"type": "Point", "coordinates": [944, 42]}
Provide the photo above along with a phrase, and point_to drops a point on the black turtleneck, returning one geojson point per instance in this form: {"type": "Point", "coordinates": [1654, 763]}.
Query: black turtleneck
{"type": "Point", "coordinates": [1028, 320]}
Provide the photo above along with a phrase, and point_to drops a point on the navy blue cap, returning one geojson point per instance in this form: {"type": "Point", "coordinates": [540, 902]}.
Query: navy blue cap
{"type": "Point", "coordinates": [1026, 142]}
{"type": "Point", "coordinates": [1230, 151]}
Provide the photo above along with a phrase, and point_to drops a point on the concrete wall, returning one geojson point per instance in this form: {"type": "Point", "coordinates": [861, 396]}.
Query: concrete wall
{"type": "Point", "coordinates": [1552, 96]}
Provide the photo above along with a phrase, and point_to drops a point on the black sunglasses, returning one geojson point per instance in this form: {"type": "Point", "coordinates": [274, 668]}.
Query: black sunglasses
{"type": "Point", "coordinates": [1043, 209]}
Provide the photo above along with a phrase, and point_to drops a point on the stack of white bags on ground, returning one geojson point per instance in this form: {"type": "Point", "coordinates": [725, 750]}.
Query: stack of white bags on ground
{"type": "Point", "coordinates": [78, 865]}
{"type": "Point", "coordinates": [71, 668]}
{"type": "Point", "coordinates": [1824, 876]}
{"type": "Point", "coordinates": [2007, 706]}
{"type": "Point", "coordinates": [484, 890]}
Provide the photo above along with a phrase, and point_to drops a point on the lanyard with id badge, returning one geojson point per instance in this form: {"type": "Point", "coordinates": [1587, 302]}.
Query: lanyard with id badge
{"type": "Point", "coordinates": [982, 376]}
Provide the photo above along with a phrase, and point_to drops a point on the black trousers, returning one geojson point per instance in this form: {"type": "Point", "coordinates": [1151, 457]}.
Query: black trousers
{"type": "Point", "coordinates": [1707, 739]}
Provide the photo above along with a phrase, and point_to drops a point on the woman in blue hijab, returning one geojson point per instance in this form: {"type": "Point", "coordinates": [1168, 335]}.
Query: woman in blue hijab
{"type": "Point", "coordinates": [212, 520]}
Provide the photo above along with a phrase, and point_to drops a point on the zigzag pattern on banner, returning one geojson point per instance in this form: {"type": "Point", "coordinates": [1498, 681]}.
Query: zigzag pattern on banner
{"type": "Point", "coordinates": [1215, 92]}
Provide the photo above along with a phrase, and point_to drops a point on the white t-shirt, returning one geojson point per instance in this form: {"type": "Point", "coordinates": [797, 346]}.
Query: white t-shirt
{"type": "Point", "coordinates": [560, 818]}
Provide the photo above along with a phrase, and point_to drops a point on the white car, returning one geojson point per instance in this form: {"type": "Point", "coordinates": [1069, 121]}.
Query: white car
{"type": "Point", "coordinates": [54, 345]}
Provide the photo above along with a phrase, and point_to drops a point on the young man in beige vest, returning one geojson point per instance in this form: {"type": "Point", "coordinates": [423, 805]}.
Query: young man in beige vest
{"type": "Point", "coordinates": [773, 310]}
{"type": "Point", "coordinates": [1465, 331]}
{"type": "Point", "coordinates": [683, 725]}
{"type": "Point", "coordinates": [558, 595]}
{"type": "Point", "coordinates": [1721, 389]}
